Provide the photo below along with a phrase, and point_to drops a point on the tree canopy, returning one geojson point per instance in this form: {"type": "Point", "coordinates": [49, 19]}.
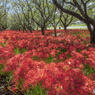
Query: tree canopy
{"type": "Point", "coordinates": [84, 12]}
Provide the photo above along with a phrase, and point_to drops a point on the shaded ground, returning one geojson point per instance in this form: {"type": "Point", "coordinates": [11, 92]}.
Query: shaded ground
{"type": "Point", "coordinates": [4, 85]}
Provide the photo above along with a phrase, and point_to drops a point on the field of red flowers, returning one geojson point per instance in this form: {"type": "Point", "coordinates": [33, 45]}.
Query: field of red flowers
{"type": "Point", "coordinates": [48, 65]}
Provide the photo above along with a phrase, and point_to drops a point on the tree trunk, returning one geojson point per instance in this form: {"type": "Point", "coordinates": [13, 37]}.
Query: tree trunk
{"type": "Point", "coordinates": [45, 28]}
{"type": "Point", "coordinates": [23, 30]}
{"type": "Point", "coordinates": [92, 33]}
{"type": "Point", "coordinates": [65, 28]}
{"type": "Point", "coordinates": [37, 27]}
{"type": "Point", "coordinates": [55, 31]}
{"type": "Point", "coordinates": [42, 29]}
{"type": "Point", "coordinates": [92, 37]}
{"type": "Point", "coordinates": [30, 30]}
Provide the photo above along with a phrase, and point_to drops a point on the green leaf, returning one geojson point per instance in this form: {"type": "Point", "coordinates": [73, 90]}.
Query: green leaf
{"type": "Point", "coordinates": [3, 44]}
{"type": "Point", "coordinates": [37, 90]}
{"type": "Point", "coordinates": [49, 59]}
{"type": "Point", "coordinates": [35, 58]}
{"type": "Point", "coordinates": [23, 50]}
{"type": "Point", "coordinates": [16, 50]}
{"type": "Point", "coordinates": [88, 70]}
{"type": "Point", "coordinates": [68, 55]}
{"type": "Point", "coordinates": [62, 50]}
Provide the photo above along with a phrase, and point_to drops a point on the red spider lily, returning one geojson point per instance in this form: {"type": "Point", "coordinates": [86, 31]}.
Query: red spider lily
{"type": "Point", "coordinates": [64, 78]}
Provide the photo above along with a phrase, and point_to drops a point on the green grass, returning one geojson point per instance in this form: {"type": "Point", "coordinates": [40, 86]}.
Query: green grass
{"type": "Point", "coordinates": [35, 58]}
{"type": "Point", "coordinates": [49, 60]}
{"type": "Point", "coordinates": [71, 25]}
{"type": "Point", "coordinates": [36, 90]}
{"type": "Point", "coordinates": [17, 50]}
{"type": "Point", "coordinates": [3, 44]}
{"type": "Point", "coordinates": [77, 25]}
{"type": "Point", "coordinates": [76, 33]}
{"type": "Point", "coordinates": [5, 75]}
{"type": "Point", "coordinates": [62, 50]}
{"type": "Point", "coordinates": [88, 70]}
{"type": "Point", "coordinates": [1, 68]}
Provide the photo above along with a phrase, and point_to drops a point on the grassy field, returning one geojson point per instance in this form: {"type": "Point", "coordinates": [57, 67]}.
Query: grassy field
{"type": "Point", "coordinates": [73, 25]}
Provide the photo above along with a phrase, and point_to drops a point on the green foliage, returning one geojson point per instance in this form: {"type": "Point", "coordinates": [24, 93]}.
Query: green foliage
{"type": "Point", "coordinates": [78, 50]}
{"type": "Point", "coordinates": [23, 50]}
{"type": "Point", "coordinates": [7, 39]}
{"type": "Point", "coordinates": [3, 44]}
{"type": "Point", "coordinates": [4, 73]}
{"type": "Point", "coordinates": [1, 68]}
{"type": "Point", "coordinates": [58, 48]}
{"type": "Point", "coordinates": [3, 14]}
{"type": "Point", "coordinates": [36, 90]}
{"type": "Point", "coordinates": [17, 51]}
{"type": "Point", "coordinates": [88, 70]}
{"type": "Point", "coordinates": [35, 58]}
{"type": "Point", "coordinates": [68, 55]}
{"type": "Point", "coordinates": [49, 59]}
{"type": "Point", "coordinates": [76, 33]}
{"type": "Point", "coordinates": [62, 50]}
{"type": "Point", "coordinates": [7, 75]}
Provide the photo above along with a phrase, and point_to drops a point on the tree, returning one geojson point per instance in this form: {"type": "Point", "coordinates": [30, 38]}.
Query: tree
{"type": "Point", "coordinates": [29, 23]}
{"type": "Point", "coordinates": [55, 19]}
{"type": "Point", "coordinates": [82, 14]}
{"type": "Point", "coordinates": [66, 20]}
{"type": "Point", "coordinates": [41, 12]}
{"type": "Point", "coordinates": [22, 20]}
{"type": "Point", "coordinates": [3, 14]}
{"type": "Point", "coordinates": [13, 22]}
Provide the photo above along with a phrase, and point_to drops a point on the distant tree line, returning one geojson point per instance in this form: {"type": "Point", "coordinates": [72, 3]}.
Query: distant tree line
{"type": "Point", "coordinates": [42, 14]}
{"type": "Point", "coordinates": [3, 14]}
{"type": "Point", "coordinates": [37, 14]}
